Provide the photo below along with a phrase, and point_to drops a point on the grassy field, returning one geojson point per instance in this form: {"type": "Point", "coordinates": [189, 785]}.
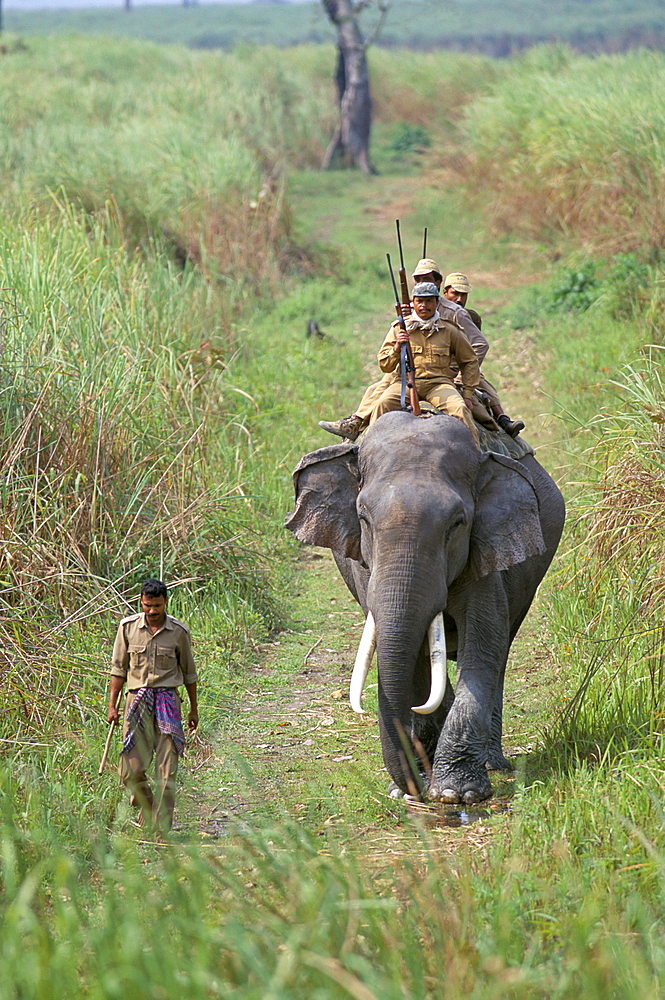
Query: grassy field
{"type": "Point", "coordinates": [157, 270]}
{"type": "Point", "coordinates": [496, 29]}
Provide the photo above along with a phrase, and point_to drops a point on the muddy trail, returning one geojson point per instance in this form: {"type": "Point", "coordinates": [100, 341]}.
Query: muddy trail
{"type": "Point", "coordinates": [291, 745]}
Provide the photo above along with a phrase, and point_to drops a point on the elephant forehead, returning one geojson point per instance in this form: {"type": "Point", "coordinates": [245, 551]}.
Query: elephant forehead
{"type": "Point", "coordinates": [435, 468]}
{"type": "Point", "coordinates": [408, 500]}
{"type": "Point", "coordinates": [401, 443]}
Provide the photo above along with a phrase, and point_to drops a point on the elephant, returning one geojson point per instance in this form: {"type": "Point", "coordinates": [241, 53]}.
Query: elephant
{"type": "Point", "coordinates": [443, 545]}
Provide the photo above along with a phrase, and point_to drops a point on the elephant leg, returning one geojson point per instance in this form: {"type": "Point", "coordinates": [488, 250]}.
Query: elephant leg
{"type": "Point", "coordinates": [426, 729]}
{"type": "Point", "coordinates": [496, 759]}
{"type": "Point", "coordinates": [459, 771]}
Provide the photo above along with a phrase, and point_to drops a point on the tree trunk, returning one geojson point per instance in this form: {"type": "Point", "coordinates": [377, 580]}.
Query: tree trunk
{"type": "Point", "coordinates": [351, 137]}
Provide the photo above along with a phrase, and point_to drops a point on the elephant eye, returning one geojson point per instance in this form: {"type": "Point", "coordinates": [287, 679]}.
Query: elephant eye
{"type": "Point", "coordinates": [459, 521]}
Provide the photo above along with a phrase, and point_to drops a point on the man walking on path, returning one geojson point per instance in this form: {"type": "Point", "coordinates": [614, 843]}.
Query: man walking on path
{"type": "Point", "coordinates": [153, 654]}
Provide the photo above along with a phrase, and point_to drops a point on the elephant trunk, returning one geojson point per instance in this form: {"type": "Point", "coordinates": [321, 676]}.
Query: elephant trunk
{"type": "Point", "coordinates": [407, 601]}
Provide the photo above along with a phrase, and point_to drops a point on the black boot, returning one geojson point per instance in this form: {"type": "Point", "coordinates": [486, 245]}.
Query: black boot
{"type": "Point", "coordinates": [512, 427]}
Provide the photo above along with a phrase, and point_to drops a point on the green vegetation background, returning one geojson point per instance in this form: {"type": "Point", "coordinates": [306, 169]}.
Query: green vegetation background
{"type": "Point", "coordinates": [165, 236]}
{"type": "Point", "coordinates": [490, 26]}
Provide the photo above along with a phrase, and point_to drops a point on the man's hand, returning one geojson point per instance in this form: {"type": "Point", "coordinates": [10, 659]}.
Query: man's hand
{"type": "Point", "coordinates": [117, 684]}
{"type": "Point", "coordinates": [402, 338]}
{"type": "Point", "coordinates": [405, 309]}
{"type": "Point", "coordinates": [193, 717]}
{"type": "Point", "coordinates": [469, 402]}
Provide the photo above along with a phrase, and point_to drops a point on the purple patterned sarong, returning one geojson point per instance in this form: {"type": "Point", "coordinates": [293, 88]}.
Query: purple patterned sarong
{"type": "Point", "coordinates": [164, 704]}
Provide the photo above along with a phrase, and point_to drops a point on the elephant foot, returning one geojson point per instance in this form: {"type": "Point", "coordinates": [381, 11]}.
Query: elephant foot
{"type": "Point", "coordinates": [496, 761]}
{"type": "Point", "coordinates": [455, 790]}
{"type": "Point", "coordinates": [395, 792]}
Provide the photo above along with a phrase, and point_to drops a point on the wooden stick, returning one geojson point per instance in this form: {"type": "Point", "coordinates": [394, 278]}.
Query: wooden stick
{"type": "Point", "coordinates": [107, 745]}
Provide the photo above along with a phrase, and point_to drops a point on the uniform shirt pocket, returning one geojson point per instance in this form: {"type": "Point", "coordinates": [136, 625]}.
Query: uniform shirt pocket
{"type": "Point", "coordinates": [137, 656]}
{"type": "Point", "coordinates": [166, 656]}
{"type": "Point", "coordinates": [439, 357]}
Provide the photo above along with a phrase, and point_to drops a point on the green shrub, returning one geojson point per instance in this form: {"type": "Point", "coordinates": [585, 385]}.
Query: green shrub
{"type": "Point", "coordinates": [576, 290]}
{"type": "Point", "coordinates": [406, 138]}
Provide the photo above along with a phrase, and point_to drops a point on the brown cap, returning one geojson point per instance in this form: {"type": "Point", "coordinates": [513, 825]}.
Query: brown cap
{"type": "Point", "coordinates": [458, 281]}
{"type": "Point", "coordinates": [426, 266]}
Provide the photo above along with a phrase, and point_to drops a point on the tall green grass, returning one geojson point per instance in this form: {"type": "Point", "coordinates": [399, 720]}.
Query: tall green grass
{"type": "Point", "coordinates": [611, 607]}
{"type": "Point", "coordinates": [277, 912]}
{"type": "Point", "coordinates": [187, 149]}
{"type": "Point", "coordinates": [575, 146]}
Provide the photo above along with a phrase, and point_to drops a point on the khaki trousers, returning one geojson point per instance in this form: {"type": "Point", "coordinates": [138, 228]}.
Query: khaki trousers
{"type": "Point", "coordinates": [372, 396]}
{"type": "Point", "coordinates": [486, 386]}
{"type": "Point", "coordinates": [374, 392]}
{"type": "Point", "coordinates": [156, 808]}
{"type": "Point", "coordinates": [443, 395]}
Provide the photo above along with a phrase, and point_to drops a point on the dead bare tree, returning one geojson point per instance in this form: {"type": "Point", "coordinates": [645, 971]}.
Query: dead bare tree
{"type": "Point", "coordinates": [351, 136]}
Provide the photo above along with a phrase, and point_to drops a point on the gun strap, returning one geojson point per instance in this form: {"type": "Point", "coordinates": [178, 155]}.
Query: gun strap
{"type": "Point", "coordinates": [403, 367]}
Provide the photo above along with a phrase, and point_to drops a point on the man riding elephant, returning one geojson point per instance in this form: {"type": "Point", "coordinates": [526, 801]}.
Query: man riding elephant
{"type": "Point", "coordinates": [451, 309]}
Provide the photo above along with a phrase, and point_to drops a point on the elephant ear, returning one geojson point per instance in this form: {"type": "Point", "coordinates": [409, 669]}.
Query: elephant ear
{"type": "Point", "coordinates": [506, 526]}
{"type": "Point", "coordinates": [327, 483]}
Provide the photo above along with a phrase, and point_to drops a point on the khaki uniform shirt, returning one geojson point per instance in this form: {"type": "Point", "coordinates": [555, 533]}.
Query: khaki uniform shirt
{"type": "Point", "coordinates": [162, 660]}
{"type": "Point", "coordinates": [459, 315]}
{"type": "Point", "coordinates": [434, 351]}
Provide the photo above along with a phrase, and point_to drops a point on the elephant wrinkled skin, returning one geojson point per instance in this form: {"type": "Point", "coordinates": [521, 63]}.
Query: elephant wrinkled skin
{"type": "Point", "coordinates": [420, 521]}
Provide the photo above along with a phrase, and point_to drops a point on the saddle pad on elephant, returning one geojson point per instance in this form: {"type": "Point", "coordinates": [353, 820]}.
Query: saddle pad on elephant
{"type": "Point", "coordinates": [496, 441]}
{"type": "Point", "coordinates": [503, 444]}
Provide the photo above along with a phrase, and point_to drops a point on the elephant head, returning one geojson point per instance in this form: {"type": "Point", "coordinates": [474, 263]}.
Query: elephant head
{"type": "Point", "coordinates": [434, 538]}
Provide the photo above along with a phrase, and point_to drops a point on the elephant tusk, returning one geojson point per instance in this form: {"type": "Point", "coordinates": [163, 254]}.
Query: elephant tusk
{"type": "Point", "coordinates": [362, 664]}
{"type": "Point", "coordinates": [436, 635]}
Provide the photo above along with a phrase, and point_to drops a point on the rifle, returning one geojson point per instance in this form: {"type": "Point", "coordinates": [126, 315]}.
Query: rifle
{"type": "Point", "coordinates": [406, 357]}
{"type": "Point", "coordinates": [424, 242]}
{"type": "Point", "coordinates": [403, 283]}
{"type": "Point", "coordinates": [107, 745]}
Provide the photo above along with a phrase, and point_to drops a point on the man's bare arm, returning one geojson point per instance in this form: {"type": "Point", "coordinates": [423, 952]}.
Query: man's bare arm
{"type": "Point", "coordinates": [117, 684]}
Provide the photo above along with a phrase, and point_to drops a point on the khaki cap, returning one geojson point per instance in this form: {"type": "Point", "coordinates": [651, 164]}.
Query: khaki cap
{"type": "Point", "coordinates": [426, 266]}
{"type": "Point", "coordinates": [458, 281]}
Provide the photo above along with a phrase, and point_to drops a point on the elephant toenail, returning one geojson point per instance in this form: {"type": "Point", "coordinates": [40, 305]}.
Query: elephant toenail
{"type": "Point", "coordinates": [450, 796]}
{"type": "Point", "coordinates": [472, 796]}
